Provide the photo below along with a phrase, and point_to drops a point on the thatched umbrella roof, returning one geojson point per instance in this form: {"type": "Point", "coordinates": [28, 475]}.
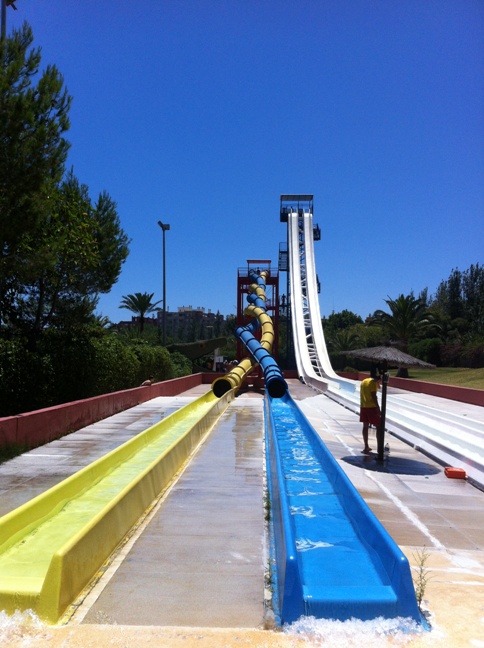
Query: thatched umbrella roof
{"type": "Point", "coordinates": [390, 355]}
{"type": "Point", "coordinates": [385, 357]}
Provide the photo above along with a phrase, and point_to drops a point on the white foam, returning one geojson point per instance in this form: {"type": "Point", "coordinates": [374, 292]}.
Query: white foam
{"type": "Point", "coordinates": [18, 628]}
{"type": "Point", "coordinates": [331, 633]}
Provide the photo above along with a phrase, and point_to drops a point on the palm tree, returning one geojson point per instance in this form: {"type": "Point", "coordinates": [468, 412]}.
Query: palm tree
{"type": "Point", "coordinates": [344, 340]}
{"type": "Point", "coordinates": [408, 318]}
{"type": "Point", "coordinates": [140, 304]}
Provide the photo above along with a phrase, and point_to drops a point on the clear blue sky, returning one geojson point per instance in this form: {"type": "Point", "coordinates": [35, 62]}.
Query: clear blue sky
{"type": "Point", "coordinates": [202, 112]}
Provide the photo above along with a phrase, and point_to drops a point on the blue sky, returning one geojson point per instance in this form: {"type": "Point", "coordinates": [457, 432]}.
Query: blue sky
{"type": "Point", "coordinates": [202, 112]}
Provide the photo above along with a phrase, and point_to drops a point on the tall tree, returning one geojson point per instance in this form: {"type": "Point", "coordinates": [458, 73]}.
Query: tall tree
{"type": "Point", "coordinates": [34, 110]}
{"type": "Point", "coordinates": [141, 304]}
{"type": "Point", "coordinates": [75, 256]}
{"type": "Point", "coordinates": [460, 299]}
{"type": "Point", "coordinates": [340, 321]}
{"type": "Point", "coordinates": [407, 318]}
{"type": "Point", "coordinates": [473, 290]}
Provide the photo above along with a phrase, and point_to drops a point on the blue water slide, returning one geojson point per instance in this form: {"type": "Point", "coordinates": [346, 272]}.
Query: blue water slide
{"type": "Point", "coordinates": [334, 559]}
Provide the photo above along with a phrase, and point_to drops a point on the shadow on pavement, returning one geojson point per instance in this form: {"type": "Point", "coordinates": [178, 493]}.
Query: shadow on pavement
{"type": "Point", "coordinates": [392, 464]}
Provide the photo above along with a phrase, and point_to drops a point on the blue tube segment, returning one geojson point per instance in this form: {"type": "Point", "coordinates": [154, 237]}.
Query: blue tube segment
{"type": "Point", "coordinates": [275, 383]}
{"type": "Point", "coordinates": [256, 301]}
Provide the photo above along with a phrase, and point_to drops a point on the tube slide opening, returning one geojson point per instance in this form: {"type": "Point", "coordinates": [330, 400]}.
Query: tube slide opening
{"type": "Point", "coordinates": [277, 388]}
{"type": "Point", "coordinates": [221, 387]}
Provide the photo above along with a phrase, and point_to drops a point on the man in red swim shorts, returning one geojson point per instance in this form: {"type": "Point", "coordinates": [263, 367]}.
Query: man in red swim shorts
{"type": "Point", "coordinates": [369, 407]}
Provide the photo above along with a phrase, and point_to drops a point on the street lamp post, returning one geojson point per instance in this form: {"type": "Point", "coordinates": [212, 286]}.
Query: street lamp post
{"type": "Point", "coordinates": [5, 4]}
{"type": "Point", "coordinates": [164, 227]}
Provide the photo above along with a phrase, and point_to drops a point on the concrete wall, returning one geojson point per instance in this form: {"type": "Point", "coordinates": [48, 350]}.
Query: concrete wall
{"type": "Point", "coordinates": [461, 394]}
{"type": "Point", "coordinates": [32, 429]}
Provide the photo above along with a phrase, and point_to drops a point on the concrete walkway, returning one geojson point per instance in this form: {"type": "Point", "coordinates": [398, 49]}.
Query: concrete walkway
{"type": "Point", "coordinates": [199, 561]}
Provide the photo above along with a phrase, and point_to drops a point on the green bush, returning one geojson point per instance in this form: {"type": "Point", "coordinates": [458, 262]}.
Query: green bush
{"type": "Point", "coordinates": [75, 362]}
{"type": "Point", "coordinates": [114, 366]}
{"type": "Point", "coordinates": [473, 356]}
{"type": "Point", "coordinates": [428, 350]}
{"type": "Point", "coordinates": [460, 355]}
{"type": "Point", "coordinates": [181, 365]}
{"type": "Point", "coordinates": [69, 367]}
{"type": "Point", "coordinates": [153, 361]}
{"type": "Point", "coordinates": [26, 379]}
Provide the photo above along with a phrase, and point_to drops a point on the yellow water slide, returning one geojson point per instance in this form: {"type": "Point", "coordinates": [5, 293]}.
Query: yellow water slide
{"type": "Point", "coordinates": [52, 546]}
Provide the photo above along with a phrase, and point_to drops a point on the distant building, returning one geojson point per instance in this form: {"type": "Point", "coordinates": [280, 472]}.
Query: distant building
{"type": "Point", "coordinates": [134, 322]}
{"type": "Point", "coordinates": [186, 324]}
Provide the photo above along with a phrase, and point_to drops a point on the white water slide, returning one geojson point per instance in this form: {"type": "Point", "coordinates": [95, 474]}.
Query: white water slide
{"type": "Point", "coordinates": [443, 432]}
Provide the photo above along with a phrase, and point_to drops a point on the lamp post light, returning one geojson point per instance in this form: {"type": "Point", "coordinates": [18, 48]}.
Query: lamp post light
{"type": "Point", "coordinates": [164, 227]}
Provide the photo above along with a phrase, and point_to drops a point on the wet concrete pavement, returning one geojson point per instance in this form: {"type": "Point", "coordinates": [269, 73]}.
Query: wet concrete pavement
{"type": "Point", "coordinates": [33, 472]}
{"type": "Point", "coordinates": [193, 573]}
{"type": "Point", "coordinates": [199, 560]}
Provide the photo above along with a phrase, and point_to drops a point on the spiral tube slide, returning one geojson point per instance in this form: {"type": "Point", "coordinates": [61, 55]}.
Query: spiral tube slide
{"type": "Point", "coordinates": [260, 351]}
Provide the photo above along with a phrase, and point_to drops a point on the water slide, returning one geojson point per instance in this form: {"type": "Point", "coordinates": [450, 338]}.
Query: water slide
{"type": "Point", "coordinates": [260, 352]}
{"type": "Point", "coordinates": [313, 363]}
{"type": "Point", "coordinates": [333, 557]}
{"type": "Point", "coordinates": [450, 438]}
{"type": "Point", "coordinates": [53, 545]}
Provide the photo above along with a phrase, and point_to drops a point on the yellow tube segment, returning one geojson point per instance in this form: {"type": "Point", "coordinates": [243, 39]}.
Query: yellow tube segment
{"type": "Point", "coordinates": [52, 546]}
{"type": "Point", "coordinates": [265, 322]}
{"type": "Point", "coordinates": [234, 379]}
{"type": "Point", "coordinates": [258, 290]}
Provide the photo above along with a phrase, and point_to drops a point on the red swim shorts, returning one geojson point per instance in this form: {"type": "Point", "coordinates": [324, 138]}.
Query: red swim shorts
{"type": "Point", "coordinates": [370, 415]}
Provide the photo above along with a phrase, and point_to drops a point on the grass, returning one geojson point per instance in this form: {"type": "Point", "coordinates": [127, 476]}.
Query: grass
{"type": "Point", "coordinates": [422, 576]}
{"type": "Point", "coordinates": [457, 376]}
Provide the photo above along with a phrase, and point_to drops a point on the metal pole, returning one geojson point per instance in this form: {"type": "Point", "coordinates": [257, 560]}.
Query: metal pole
{"type": "Point", "coordinates": [5, 4]}
{"type": "Point", "coordinates": [4, 19]}
{"type": "Point", "coordinates": [164, 227]}
{"type": "Point", "coordinates": [164, 289]}
{"type": "Point", "coordinates": [381, 429]}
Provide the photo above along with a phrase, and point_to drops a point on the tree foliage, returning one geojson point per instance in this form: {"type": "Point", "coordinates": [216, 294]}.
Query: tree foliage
{"type": "Point", "coordinates": [407, 319]}
{"type": "Point", "coordinates": [58, 251]}
{"type": "Point", "coordinates": [34, 110]}
{"type": "Point", "coordinates": [340, 321]}
{"type": "Point", "coordinates": [344, 340]}
{"type": "Point", "coordinates": [77, 254]}
{"type": "Point", "coordinates": [141, 304]}
{"type": "Point", "coordinates": [459, 301]}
